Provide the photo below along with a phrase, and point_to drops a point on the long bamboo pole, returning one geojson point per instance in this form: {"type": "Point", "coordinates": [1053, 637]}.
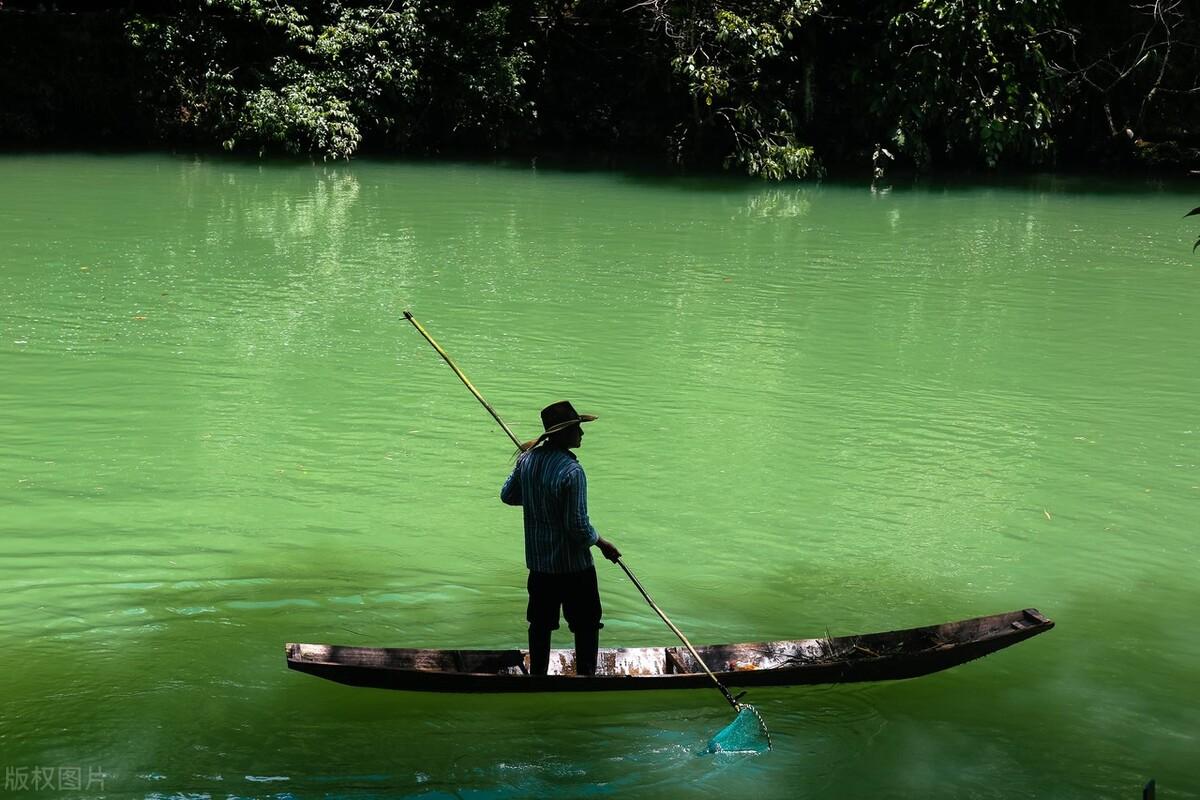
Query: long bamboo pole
{"type": "Point", "coordinates": [732, 700]}
{"type": "Point", "coordinates": [446, 357]}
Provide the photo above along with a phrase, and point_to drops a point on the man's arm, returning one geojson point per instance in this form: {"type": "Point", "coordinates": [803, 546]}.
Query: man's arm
{"type": "Point", "coordinates": [510, 493]}
{"type": "Point", "coordinates": [575, 517]}
{"type": "Point", "coordinates": [578, 524]}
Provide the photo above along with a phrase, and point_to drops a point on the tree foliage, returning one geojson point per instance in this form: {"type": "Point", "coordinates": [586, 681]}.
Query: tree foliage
{"type": "Point", "coordinates": [971, 76]}
{"type": "Point", "coordinates": [775, 88]}
{"type": "Point", "coordinates": [737, 63]}
{"type": "Point", "coordinates": [321, 78]}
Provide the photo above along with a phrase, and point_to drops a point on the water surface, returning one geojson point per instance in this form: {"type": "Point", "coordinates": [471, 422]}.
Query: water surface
{"type": "Point", "coordinates": [822, 410]}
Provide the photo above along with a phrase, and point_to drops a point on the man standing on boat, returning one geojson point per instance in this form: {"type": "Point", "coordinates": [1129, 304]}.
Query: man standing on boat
{"type": "Point", "coordinates": [549, 484]}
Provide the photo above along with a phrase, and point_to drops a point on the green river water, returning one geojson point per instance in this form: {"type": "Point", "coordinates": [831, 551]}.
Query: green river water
{"type": "Point", "coordinates": [823, 410]}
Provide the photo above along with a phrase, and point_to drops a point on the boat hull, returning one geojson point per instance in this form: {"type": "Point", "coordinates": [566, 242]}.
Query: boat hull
{"type": "Point", "coordinates": [893, 655]}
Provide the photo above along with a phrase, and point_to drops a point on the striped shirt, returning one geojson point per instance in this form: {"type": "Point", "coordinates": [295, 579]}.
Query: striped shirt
{"type": "Point", "coordinates": [549, 484]}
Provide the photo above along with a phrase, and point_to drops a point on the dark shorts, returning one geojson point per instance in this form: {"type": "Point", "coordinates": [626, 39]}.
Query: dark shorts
{"type": "Point", "coordinates": [575, 592]}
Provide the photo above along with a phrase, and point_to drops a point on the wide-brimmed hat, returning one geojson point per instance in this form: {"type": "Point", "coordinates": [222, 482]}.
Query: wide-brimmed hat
{"type": "Point", "coordinates": [562, 414]}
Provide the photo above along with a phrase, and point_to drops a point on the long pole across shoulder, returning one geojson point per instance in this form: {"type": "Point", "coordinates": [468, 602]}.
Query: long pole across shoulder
{"type": "Point", "coordinates": [446, 357]}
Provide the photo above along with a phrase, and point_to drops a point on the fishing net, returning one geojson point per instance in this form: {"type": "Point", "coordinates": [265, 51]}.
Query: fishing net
{"type": "Point", "coordinates": [746, 734]}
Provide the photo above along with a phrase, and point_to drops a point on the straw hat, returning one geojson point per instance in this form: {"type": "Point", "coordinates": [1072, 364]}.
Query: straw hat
{"type": "Point", "coordinates": [562, 414]}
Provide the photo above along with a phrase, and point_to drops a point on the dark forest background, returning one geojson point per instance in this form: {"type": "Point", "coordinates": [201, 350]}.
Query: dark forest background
{"type": "Point", "coordinates": [777, 89]}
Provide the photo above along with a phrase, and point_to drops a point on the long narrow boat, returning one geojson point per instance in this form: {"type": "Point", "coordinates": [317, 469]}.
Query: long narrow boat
{"type": "Point", "coordinates": [841, 659]}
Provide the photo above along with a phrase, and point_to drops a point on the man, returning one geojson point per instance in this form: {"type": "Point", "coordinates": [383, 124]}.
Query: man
{"type": "Point", "coordinates": [549, 484]}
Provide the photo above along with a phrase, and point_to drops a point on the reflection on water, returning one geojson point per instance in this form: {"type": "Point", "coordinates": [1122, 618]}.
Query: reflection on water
{"type": "Point", "coordinates": [823, 411]}
{"type": "Point", "coordinates": [780, 203]}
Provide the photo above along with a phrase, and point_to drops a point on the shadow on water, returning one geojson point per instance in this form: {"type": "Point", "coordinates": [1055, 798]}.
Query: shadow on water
{"type": "Point", "coordinates": [655, 173]}
{"type": "Point", "coordinates": [254, 726]}
{"type": "Point", "coordinates": [256, 729]}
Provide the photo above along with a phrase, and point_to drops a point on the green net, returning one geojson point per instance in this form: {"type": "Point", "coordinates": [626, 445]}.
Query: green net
{"type": "Point", "coordinates": [746, 734]}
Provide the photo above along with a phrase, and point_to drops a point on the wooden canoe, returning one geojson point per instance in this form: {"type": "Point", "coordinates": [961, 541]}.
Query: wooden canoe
{"type": "Point", "coordinates": [840, 659]}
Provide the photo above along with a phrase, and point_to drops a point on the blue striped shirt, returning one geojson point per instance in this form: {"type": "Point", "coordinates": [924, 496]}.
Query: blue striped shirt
{"type": "Point", "coordinates": [549, 484]}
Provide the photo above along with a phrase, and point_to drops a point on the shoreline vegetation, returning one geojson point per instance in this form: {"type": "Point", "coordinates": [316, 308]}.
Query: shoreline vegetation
{"type": "Point", "coordinates": [779, 90]}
